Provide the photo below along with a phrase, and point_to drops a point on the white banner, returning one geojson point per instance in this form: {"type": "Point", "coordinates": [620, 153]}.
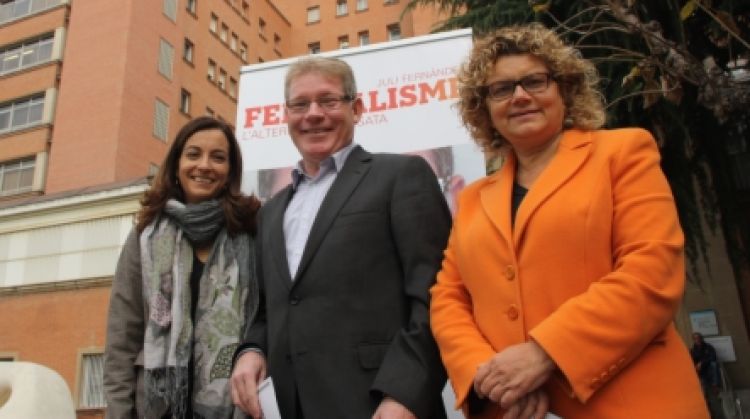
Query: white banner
{"type": "Point", "coordinates": [408, 88]}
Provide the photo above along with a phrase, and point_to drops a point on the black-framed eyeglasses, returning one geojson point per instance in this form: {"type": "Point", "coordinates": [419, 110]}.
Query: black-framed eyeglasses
{"type": "Point", "coordinates": [503, 89]}
{"type": "Point", "coordinates": [327, 103]}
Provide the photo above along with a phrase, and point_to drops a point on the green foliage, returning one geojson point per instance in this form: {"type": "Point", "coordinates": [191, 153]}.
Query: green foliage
{"type": "Point", "coordinates": [665, 66]}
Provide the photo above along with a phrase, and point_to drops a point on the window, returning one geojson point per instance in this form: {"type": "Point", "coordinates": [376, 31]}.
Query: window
{"type": "Point", "coordinates": [364, 38]}
{"type": "Point", "coordinates": [16, 176]}
{"type": "Point", "coordinates": [170, 9]}
{"type": "Point", "coordinates": [11, 10]}
{"type": "Point", "coordinates": [232, 88]}
{"type": "Point", "coordinates": [261, 28]}
{"type": "Point", "coordinates": [21, 113]}
{"type": "Point", "coordinates": [261, 60]}
{"type": "Point", "coordinates": [243, 51]}
{"type": "Point", "coordinates": [213, 25]}
{"type": "Point", "coordinates": [187, 52]}
{"type": "Point", "coordinates": [343, 42]}
{"type": "Point", "coordinates": [161, 120]}
{"type": "Point", "coordinates": [276, 40]}
{"type": "Point", "coordinates": [185, 101]}
{"type": "Point", "coordinates": [313, 48]}
{"type": "Point", "coordinates": [153, 170]}
{"type": "Point", "coordinates": [166, 53]}
{"type": "Point", "coordinates": [233, 41]}
{"type": "Point", "coordinates": [394, 32]}
{"type": "Point", "coordinates": [222, 82]}
{"type": "Point", "coordinates": [26, 54]}
{"type": "Point", "coordinates": [313, 14]}
{"type": "Point", "coordinates": [361, 5]}
{"type": "Point", "coordinates": [211, 70]}
{"type": "Point", "coordinates": [92, 376]}
{"type": "Point", "coordinates": [245, 10]}
{"type": "Point", "coordinates": [191, 6]}
{"type": "Point", "coordinates": [224, 33]}
{"type": "Point", "coordinates": [341, 8]}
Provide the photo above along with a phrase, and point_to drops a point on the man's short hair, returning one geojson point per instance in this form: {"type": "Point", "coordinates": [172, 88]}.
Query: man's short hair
{"type": "Point", "coordinates": [327, 67]}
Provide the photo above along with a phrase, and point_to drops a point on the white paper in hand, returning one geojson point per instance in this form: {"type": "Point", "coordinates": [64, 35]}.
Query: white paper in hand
{"type": "Point", "coordinates": [267, 397]}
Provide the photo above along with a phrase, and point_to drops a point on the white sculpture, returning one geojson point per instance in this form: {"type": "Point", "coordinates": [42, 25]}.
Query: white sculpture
{"type": "Point", "coordinates": [32, 391]}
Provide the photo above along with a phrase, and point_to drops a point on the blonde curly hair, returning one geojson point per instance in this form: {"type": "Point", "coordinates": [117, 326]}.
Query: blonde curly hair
{"type": "Point", "coordinates": [576, 77]}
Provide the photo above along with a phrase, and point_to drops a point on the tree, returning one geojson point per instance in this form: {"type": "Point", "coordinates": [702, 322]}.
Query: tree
{"type": "Point", "coordinates": [676, 67]}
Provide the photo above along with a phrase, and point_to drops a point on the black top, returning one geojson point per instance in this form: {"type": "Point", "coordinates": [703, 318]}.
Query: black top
{"type": "Point", "coordinates": [195, 277]}
{"type": "Point", "coordinates": [519, 192]}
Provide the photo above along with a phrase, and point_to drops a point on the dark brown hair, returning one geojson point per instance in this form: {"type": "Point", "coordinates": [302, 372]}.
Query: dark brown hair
{"type": "Point", "coordinates": [239, 210]}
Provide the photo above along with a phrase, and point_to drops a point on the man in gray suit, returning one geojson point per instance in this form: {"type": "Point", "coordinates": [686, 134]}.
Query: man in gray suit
{"type": "Point", "coordinates": [347, 254]}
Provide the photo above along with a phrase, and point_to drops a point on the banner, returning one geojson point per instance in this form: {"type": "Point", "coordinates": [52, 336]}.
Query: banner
{"type": "Point", "coordinates": [408, 88]}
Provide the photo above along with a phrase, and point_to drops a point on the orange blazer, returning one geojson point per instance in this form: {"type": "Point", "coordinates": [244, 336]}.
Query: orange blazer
{"type": "Point", "coordinates": [592, 270]}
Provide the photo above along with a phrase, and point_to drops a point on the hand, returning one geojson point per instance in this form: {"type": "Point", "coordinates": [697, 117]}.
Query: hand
{"type": "Point", "coordinates": [389, 408]}
{"type": "Point", "coordinates": [533, 406]}
{"type": "Point", "coordinates": [513, 373]}
{"type": "Point", "coordinates": [249, 371]}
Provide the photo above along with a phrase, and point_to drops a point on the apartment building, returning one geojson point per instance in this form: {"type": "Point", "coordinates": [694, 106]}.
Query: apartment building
{"type": "Point", "coordinates": [323, 25]}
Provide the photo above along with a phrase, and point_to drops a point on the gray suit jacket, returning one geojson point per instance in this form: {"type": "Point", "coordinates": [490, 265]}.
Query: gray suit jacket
{"type": "Point", "coordinates": [353, 325]}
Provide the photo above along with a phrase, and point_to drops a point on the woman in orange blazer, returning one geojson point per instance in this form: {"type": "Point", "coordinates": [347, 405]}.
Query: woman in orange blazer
{"type": "Point", "coordinates": [564, 268]}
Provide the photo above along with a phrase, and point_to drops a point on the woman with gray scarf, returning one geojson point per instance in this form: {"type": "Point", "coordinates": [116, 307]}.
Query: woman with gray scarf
{"type": "Point", "coordinates": [184, 288]}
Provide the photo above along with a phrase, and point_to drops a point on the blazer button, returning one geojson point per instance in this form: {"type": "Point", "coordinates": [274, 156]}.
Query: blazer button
{"type": "Point", "coordinates": [510, 272]}
{"type": "Point", "coordinates": [512, 312]}
{"type": "Point", "coordinates": [294, 300]}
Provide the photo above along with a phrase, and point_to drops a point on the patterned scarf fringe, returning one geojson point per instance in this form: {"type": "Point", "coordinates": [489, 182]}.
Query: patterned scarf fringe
{"type": "Point", "coordinates": [168, 386]}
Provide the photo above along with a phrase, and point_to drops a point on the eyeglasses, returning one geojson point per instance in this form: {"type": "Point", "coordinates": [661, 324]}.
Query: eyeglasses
{"type": "Point", "coordinates": [327, 103]}
{"type": "Point", "coordinates": [503, 89]}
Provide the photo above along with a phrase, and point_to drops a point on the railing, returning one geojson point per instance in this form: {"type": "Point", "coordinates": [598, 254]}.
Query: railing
{"type": "Point", "coordinates": [20, 8]}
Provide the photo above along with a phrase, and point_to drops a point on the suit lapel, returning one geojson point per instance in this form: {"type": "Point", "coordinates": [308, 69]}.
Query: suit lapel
{"type": "Point", "coordinates": [355, 168]}
{"type": "Point", "coordinates": [495, 195]}
{"type": "Point", "coordinates": [571, 154]}
{"type": "Point", "coordinates": [277, 242]}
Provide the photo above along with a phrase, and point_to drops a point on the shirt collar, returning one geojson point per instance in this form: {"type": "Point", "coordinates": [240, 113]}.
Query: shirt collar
{"type": "Point", "coordinates": [334, 162]}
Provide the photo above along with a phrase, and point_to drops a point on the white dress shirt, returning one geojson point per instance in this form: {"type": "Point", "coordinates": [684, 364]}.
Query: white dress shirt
{"type": "Point", "coordinates": [309, 193]}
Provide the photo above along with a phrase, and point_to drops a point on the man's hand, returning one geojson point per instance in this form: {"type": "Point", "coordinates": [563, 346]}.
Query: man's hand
{"type": "Point", "coordinates": [513, 373]}
{"type": "Point", "coordinates": [391, 409]}
{"type": "Point", "coordinates": [249, 371]}
{"type": "Point", "coordinates": [533, 406]}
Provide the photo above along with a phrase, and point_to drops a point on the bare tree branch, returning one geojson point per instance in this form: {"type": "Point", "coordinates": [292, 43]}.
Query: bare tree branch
{"type": "Point", "coordinates": [723, 25]}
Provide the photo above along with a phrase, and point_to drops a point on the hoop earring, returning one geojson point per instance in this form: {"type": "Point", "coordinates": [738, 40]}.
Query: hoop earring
{"type": "Point", "coordinates": [568, 122]}
{"type": "Point", "coordinates": [497, 140]}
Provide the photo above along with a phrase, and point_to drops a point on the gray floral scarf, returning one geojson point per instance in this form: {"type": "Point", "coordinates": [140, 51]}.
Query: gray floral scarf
{"type": "Point", "coordinates": [226, 302]}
